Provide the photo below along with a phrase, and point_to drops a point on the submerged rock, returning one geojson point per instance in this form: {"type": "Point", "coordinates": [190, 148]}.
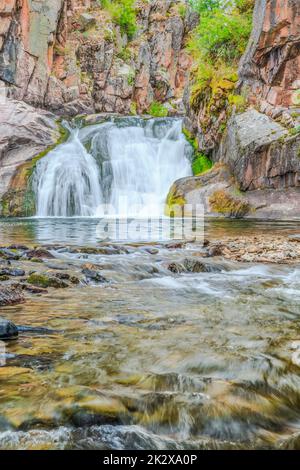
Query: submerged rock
{"type": "Point", "coordinates": [8, 330]}
{"type": "Point", "coordinates": [92, 275]}
{"type": "Point", "coordinates": [10, 295]}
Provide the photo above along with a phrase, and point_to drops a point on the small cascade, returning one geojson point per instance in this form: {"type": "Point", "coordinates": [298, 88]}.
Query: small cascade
{"type": "Point", "coordinates": [128, 169]}
{"type": "Point", "coordinates": [67, 181]}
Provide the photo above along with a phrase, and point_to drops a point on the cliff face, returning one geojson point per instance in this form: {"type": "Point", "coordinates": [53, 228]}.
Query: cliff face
{"type": "Point", "coordinates": [270, 68]}
{"type": "Point", "coordinates": [68, 56]}
{"type": "Point", "coordinates": [263, 150]}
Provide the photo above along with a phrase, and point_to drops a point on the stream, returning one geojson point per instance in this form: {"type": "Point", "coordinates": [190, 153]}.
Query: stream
{"type": "Point", "coordinates": [152, 359]}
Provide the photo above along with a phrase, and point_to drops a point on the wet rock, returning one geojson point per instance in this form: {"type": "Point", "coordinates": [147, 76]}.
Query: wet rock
{"type": "Point", "coordinates": [190, 265]}
{"type": "Point", "coordinates": [10, 295]}
{"type": "Point", "coordinates": [175, 245]}
{"type": "Point", "coordinates": [17, 246]}
{"type": "Point", "coordinates": [44, 280]}
{"type": "Point", "coordinates": [33, 289]}
{"type": "Point", "coordinates": [39, 253]}
{"type": "Point", "coordinates": [67, 277]}
{"type": "Point", "coordinates": [8, 254]}
{"type": "Point", "coordinates": [8, 330]}
{"type": "Point", "coordinates": [150, 250]}
{"type": "Point", "coordinates": [215, 250]}
{"type": "Point", "coordinates": [92, 275]}
{"type": "Point", "coordinates": [12, 272]}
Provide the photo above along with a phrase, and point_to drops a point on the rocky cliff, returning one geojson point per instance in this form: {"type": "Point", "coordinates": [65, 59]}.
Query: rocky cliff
{"type": "Point", "coordinates": [68, 55]}
{"type": "Point", "coordinates": [257, 151]}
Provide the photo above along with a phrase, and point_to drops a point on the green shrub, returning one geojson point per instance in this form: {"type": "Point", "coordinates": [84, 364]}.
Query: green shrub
{"type": "Point", "coordinates": [219, 40]}
{"type": "Point", "coordinates": [200, 164]}
{"type": "Point", "coordinates": [123, 13]}
{"type": "Point", "coordinates": [158, 110]}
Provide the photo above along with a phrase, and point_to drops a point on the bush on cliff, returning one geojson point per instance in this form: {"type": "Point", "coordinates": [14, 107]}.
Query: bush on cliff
{"type": "Point", "coordinates": [123, 13]}
{"type": "Point", "coordinates": [219, 41]}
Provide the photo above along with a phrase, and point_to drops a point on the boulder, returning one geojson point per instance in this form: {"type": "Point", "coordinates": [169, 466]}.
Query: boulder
{"type": "Point", "coordinates": [260, 152]}
{"type": "Point", "coordinates": [11, 272]}
{"type": "Point", "coordinates": [39, 253]}
{"type": "Point", "coordinates": [25, 132]}
{"type": "Point", "coordinates": [8, 330]}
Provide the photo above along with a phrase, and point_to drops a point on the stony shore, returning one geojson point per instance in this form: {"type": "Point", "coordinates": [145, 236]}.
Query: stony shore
{"type": "Point", "coordinates": [26, 271]}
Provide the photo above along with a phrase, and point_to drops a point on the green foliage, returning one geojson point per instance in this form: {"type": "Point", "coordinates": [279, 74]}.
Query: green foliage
{"type": "Point", "coordinates": [294, 130]}
{"type": "Point", "coordinates": [158, 110]}
{"type": "Point", "coordinates": [217, 45]}
{"type": "Point", "coordinates": [205, 6]}
{"type": "Point", "coordinates": [201, 163]}
{"type": "Point", "coordinates": [238, 101]}
{"type": "Point", "coordinates": [223, 31]}
{"type": "Point", "coordinates": [123, 13]}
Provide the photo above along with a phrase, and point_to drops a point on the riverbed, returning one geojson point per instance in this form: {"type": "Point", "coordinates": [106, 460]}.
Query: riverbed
{"type": "Point", "coordinates": [152, 358]}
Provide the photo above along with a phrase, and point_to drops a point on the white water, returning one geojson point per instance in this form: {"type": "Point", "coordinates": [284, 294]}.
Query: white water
{"type": "Point", "coordinates": [131, 165]}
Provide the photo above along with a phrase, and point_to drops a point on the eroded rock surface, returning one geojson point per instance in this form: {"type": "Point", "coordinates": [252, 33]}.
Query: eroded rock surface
{"type": "Point", "coordinates": [260, 152]}
{"type": "Point", "coordinates": [70, 57]}
{"type": "Point", "coordinates": [24, 133]}
{"type": "Point", "coordinates": [270, 67]}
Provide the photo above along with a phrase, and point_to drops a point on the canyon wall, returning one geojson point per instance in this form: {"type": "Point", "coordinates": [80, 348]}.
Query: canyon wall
{"type": "Point", "coordinates": [69, 57]}
{"type": "Point", "coordinates": [270, 68]}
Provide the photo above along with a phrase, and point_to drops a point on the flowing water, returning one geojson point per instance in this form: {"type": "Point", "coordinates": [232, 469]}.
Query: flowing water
{"type": "Point", "coordinates": [128, 169]}
{"type": "Point", "coordinates": [149, 359]}
{"type": "Point", "coordinates": [153, 359]}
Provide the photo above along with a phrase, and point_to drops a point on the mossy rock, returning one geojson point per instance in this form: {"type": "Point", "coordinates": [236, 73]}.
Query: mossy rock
{"type": "Point", "coordinates": [226, 204]}
{"type": "Point", "coordinates": [44, 280]}
{"type": "Point", "coordinates": [175, 203]}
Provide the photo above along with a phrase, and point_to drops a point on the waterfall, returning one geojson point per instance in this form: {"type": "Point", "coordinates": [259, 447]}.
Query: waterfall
{"type": "Point", "coordinates": [66, 181]}
{"type": "Point", "coordinates": [124, 166]}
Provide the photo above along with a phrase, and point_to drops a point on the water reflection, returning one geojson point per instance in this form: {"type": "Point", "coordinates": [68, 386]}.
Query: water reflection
{"type": "Point", "coordinates": [83, 231]}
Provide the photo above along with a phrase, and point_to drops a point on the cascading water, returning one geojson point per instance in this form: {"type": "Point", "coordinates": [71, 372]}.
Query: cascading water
{"type": "Point", "coordinates": [66, 181]}
{"type": "Point", "coordinates": [129, 167]}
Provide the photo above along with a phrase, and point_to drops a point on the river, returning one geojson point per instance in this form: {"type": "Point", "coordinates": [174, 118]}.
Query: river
{"type": "Point", "coordinates": [152, 359]}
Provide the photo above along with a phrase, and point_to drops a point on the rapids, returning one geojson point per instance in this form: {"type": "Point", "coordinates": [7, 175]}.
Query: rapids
{"type": "Point", "coordinates": [152, 359]}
